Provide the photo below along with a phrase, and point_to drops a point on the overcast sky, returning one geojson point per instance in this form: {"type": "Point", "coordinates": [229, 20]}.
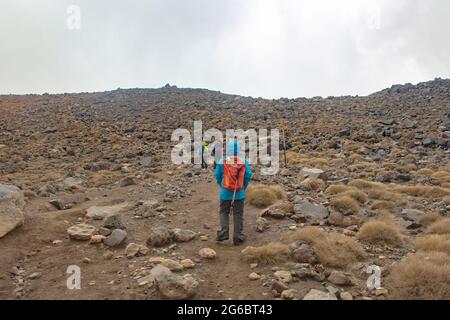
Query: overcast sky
{"type": "Point", "coordinates": [267, 48]}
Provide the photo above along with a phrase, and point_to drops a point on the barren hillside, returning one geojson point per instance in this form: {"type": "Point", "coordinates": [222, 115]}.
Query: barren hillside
{"type": "Point", "coordinates": [95, 187]}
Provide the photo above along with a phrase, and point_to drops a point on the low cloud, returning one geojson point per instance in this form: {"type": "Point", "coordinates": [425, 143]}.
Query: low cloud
{"type": "Point", "coordinates": [268, 48]}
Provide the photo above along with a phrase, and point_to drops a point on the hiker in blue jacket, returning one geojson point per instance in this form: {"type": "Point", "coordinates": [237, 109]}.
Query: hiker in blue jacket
{"type": "Point", "coordinates": [232, 201]}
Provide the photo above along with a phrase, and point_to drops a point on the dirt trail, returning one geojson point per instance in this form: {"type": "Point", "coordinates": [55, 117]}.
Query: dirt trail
{"type": "Point", "coordinates": [30, 249]}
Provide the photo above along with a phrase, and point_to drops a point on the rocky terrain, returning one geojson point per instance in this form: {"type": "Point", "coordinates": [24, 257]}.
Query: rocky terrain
{"type": "Point", "coordinates": [86, 180]}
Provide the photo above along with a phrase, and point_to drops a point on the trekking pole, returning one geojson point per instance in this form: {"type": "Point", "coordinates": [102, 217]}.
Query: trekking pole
{"type": "Point", "coordinates": [234, 193]}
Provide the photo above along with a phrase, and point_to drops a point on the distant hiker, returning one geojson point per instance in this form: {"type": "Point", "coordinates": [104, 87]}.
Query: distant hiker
{"type": "Point", "coordinates": [233, 174]}
{"type": "Point", "coordinates": [203, 151]}
{"type": "Point", "coordinates": [217, 152]}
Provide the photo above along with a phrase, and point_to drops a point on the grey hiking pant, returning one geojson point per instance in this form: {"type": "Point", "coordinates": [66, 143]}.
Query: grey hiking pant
{"type": "Point", "coordinates": [238, 220]}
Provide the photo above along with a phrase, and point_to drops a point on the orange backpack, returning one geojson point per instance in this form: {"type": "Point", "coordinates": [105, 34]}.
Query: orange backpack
{"type": "Point", "coordinates": [233, 174]}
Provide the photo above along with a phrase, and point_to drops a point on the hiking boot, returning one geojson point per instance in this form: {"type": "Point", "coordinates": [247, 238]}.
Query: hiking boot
{"type": "Point", "coordinates": [221, 239]}
{"type": "Point", "coordinates": [239, 241]}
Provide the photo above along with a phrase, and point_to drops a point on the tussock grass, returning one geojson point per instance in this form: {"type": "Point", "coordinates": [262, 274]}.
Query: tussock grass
{"type": "Point", "coordinates": [422, 276]}
{"type": "Point", "coordinates": [366, 185]}
{"type": "Point", "coordinates": [446, 200]}
{"type": "Point", "coordinates": [422, 191]}
{"type": "Point", "coordinates": [429, 218]}
{"type": "Point", "coordinates": [263, 196]}
{"type": "Point", "coordinates": [434, 242]}
{"type": "Point", "coordinates": [312, 184]}
{"type": "Point", "coordinates": [379, 232]}
{"type": "Point", "coordinates": [385, 195]}
{"type": "Point", "coordinates": [441, 226]}
{"type": "Point", "coordinates": [344, 203]}
{"type": "Point", "coordinates": [382, 205]}
{"type": "Point", "coordinates": [357, 195]}
{"type": "Point", "coordinates": [441, 177]}
{"type": "Point", "coordinates": [425, 172]}
{"type": "Point", "coordinates": [333, 250]}
{"type": "Point", "coordinates": [270, 253]}
{"type": "Point", "coordinates": [339, 188]}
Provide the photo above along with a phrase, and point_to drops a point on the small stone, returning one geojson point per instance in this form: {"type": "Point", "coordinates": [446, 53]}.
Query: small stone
{"type": "Point", "coordinates": [132, 250]}
{"type": "Point", "coordinates": [128, 181]}
{"type": "Point", "coordinates": [116, 238]}
{"type": "Point", "coordinates": [284, 276]}
{"type": "Point", "coordinates": [34, 276]}
{"type": "Point", "coordinates": [349, 233]}
{"type": "Point", "coordinates": [381, 292]}
{"type": "Point", "coordinates": [339, 279]}
{"type": "Point", "coordinates": [160, 236]}
{"type": "Point", "coordinates": [261, 224]}
{"type": "Point", "coordinates": [183, 235]}
{"type": "Point", "coordinates": [204, 238]}
{"type": "Point", "coordinates": [86, 260]}
{"type": "Point", "coordinates": [279, 286]}
{"type": "Point", "coordinates": [113, 221]}
{"type": "Point", "coordinates": [104, 231]}
{"type": "Point", "coordinates": [108, 255]}
{"type": "Point", "coordinates": [207, 253]}
{"type": "Point", "coordinates": [172, 265]}
{"type": "Point", "coordinates": [57, 242]}
{"type": "Point", "coordinates": [82, 232]}
{"type": "Point", "coordinates": [254, 276]}
{"type": "Point", "coordinates": [289, 294]}
{"type": "Point", "coordinates": [187, 263]}
{"type": "Point", "coordinates": [96, 239]}
{"type": "Point", "coordinates": [346, 296]}
{"type": "Point", "coordinates": [314, 294]}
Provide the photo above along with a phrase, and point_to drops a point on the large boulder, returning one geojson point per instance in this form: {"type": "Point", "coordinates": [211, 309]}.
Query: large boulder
{"type": "Point", "coordinates": [82, 231]}
{"type": "Point", "coordinates": [116, 238]}
{"type": "Point", "coordinates": [173, 286]}
{"type": "Point", "coordinates": [11, 206]}
{"type": "Point", "coordinates": [313, 173]}
{"type": "Point", "coordinates": [99, 213]}
{"type": "Point", "coordinates": [160, 236]}
{"type": "Point", "coordinates": [311, 210]}
{"type": "Point", "coordinates": [181, 235]}
{"type": "Point", "coordinates": [319, 295]}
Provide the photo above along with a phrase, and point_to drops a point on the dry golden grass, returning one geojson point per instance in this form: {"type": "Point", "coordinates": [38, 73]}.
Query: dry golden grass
{"type": "Point", "coordinates": [429, 218]}
{"type": "Point", "coordinates": [382, 205]}
{"type": "Point", "coordinates": [345, 204]}
{"type": "Point", "coordinates": [434, 242]}
{"type": "Point", "coordinates": [441, 226]}
{"type": "Point", "coordinates": [406, 168]}
{"type": "Point", "coordinates": [357, 195]}
{"type": "Point", "coordinates": [339, 188]}
{"type": "Point", "coordinates": [356, 157]}
{"type": "Point", "coordinates": [366, 185]}
{"type": "Point", "coordinates": [425, 172]}
{"type": "Point", "coordinates": [267, 254]}
{"type": "Point", "coordinates": [422, 276]}
{"type": "Point", "coordinates": [312, 185]}
{"type": "Point", "coordinates": [102, 178]}
{"type": "Point", "coordinates": [386, 217]}
{"type": "Point", "coordinates": [380, 232]}
{"type": "Point", "coordinates": [422, 191]}
{"type": "Point", "coordinates": [333, 250]}
{"type": "Point", "coordinates": [263, 196]}
{"type": "Point", "coordinates": [318, 163]}
{"type": "Point", "coordinates": [441, 177]}
{"type": "Point", "coordinates": [447, 200]}
{"type": "Point", "coordinates": [385, 195]}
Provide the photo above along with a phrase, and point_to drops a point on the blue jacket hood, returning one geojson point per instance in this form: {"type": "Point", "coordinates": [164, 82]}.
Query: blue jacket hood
{"type": "Point", "coordinates": [232, 148]}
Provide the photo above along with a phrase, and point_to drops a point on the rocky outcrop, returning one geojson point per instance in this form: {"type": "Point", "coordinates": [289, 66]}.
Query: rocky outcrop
{"type": "Point", "coordinates": [11, 206]}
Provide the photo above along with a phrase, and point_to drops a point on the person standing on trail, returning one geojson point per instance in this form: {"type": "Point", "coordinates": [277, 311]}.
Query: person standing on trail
{"type": "Point", "coordinates": [217, 152]}
{"type": "Point", "coordinates": [233, 174]}
{"type": "Point", "coordinates": [203, 150]}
